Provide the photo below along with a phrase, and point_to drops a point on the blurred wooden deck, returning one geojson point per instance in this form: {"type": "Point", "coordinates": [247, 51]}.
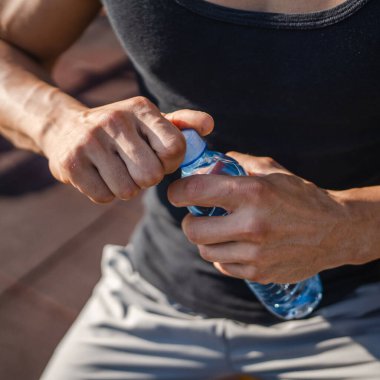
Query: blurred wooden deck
{"type": "Point", "coordinates": [51, 237]}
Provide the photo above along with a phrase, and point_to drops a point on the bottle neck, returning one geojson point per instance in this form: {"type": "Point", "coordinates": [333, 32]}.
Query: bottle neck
{"type": "Point", "coordinates": [195, 146]}
{"type": "Point", "coordinates": [193, 161]}
{"type": "Point", "coordinates": [196, 164]}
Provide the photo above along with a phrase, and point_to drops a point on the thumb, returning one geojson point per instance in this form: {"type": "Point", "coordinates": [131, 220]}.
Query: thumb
{"type": "Point", "coordinates": [254, 165]}
{"type": "Point", "coordinates": [202, 122]}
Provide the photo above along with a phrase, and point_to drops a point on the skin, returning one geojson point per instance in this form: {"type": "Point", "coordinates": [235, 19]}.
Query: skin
{"type": "Point", "coordinates": [281, 228]}
{"type": "Point", "coordinates": [118, 149]}
{"type": "Point", "coordinates": [279, 6]}
{"type": "Point", "coordinates": [106, 152]}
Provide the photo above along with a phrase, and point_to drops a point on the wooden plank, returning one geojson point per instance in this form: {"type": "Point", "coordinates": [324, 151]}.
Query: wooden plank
{"type": "Point", "coordinates": [69, 275]}
{"type": "Point", "coordinates": [37, 311]}
{"type": "Point", "coordinates": [31, 326]}
{"type": "Point", "coordinates": [34, 225]}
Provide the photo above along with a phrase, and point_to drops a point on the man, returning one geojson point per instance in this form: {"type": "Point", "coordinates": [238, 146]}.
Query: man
{"type": "Point", "coordinates": [295, 81]}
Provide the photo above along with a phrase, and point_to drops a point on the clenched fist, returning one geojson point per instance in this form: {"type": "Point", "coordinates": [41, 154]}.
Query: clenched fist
{"type": "Point", "coordinates": [118, 149]}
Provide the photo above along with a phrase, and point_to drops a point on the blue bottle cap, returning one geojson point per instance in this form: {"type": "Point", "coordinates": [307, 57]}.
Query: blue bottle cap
{"type": "Point", "coordinates": [195, 146]}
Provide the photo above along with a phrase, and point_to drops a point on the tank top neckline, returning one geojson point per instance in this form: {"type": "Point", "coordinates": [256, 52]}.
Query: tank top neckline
{"type": "Point", "coordinates": [312, 20]}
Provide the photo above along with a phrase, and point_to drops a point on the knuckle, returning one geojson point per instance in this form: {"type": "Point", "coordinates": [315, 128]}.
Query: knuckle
{"type": "Point", "coordinates": [154, 179]}
{"type": "Point", "coordinates": [150, 178]}
{"type": "Point", "coordinates": [97, 191]}
{"type": "Point", "coordinates": [254, 230]}
{"type": "Point", "coordinates": [190, 231]}
{"type": "Point", "coordinates": [114, 124]}
{"type": "Point", "coordinates": [79, 150]}
{"type": "Point", "coordinates": [257, 188]}
{"type": "Point", "coordinates": [89, 141]}
{"type": "Point", "coordinates": [252, 254]}
{"type": "Point", "coordinates": [231, 188]}
{"type": "Point", "coordinates": [128, 192]}
{"type": "Point", "coordinates": [262, 260]}
{"type": "Point", "coordinates": [260, 232]}
{"type": "Point", "coordinates": [174, 148]}
{"type": "Point", "coordinates": [193, 186]}
{"type": "Point", "coordinates": [114, 117]}
{"type": "Point", "coordinates": [71, 163]}
{"type": "Point", "coordinates": [106, 118]}
{"type": "Point", "coordinates": [280, 180]}
{"type": "Point", "coordinates": [141, 103]}
{"type": "Point", "coordinates": [206, 253]}
{"type": "Point", "coordinates": [269, 161]}
{"type": "Point", "coordinates": [192, 234]}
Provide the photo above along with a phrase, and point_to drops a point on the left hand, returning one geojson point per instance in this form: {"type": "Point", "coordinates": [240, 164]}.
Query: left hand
{"type": "Point", "coordinates": [281, 228]}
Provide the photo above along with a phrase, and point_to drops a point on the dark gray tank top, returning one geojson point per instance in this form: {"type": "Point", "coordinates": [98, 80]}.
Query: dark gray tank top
{"type": "Point", "coordinates": [303, 89]}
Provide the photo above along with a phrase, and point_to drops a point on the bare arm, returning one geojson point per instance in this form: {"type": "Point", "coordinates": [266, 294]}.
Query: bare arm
{"type": "Point", "coordinates": [106, 152]}
{"type": "Point", "coordinates": [32, 35]}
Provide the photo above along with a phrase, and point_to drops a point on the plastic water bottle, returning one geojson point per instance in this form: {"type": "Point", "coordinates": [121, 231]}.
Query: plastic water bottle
{"type": "Point", "coordinates": [286, 301]}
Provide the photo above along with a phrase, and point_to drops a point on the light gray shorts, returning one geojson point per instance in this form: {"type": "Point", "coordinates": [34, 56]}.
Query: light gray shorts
{"type": "Point", "coordinates": [131, 330]}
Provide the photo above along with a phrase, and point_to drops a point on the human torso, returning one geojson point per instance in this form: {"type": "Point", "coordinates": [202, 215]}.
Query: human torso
{"type": "Point", "coordinates": [303, 89]}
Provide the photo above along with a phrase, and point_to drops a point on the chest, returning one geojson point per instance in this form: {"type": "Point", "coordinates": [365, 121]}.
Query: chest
{"type": "Point", "coordinates": [190, 56]}
{"type": "Point", "coordinates": [279, 6]}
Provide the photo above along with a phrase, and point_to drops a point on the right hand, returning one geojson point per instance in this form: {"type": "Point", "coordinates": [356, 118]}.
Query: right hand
{"type": "Point", "coordinates": [118, 149]}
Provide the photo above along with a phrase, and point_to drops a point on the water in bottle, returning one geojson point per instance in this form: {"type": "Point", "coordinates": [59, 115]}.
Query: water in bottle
{"type": "Point", "coordinates": [286, 301]}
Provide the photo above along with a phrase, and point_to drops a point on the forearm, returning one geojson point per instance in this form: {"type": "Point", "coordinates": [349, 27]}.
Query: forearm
{"type": "Point", "coordinates": [30, 106]}
{"type": "Point", "coordinates": [363, 223]}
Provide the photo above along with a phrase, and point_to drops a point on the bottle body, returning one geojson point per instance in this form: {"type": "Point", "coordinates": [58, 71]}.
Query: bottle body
{"type": "Point", "coordinates": [286, 301]}
{"type": "Point", "coordinates": [212, 163]}
{"type": "Point", "coordinates": [289, 301]}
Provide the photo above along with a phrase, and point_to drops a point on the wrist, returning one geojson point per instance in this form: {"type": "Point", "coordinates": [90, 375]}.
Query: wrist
{"type": "Point", "coordinates": [61, 116]}
{"type": "Point", "coordinates": [361, 238]}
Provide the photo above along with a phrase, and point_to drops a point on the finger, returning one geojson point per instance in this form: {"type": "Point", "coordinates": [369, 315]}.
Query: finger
{"type": "Point", "coordinates": [143, 165]}
{"type": "Point", "coordinates": [243, 271]}
{"type": "Point", "coordinates": [206, 230]}
{"type": "Point", "coordinates": [165, 139]}
{"type": "Point", "coordinates": [202, 122]}
{"type": "Point", "coordinates": [213, 190]}
{"type": "Point", "coordinates": [88, 181]}
{"type": "Point", "coordinates": [221, 229]}
{"type": "Point", "coordinates": [123, 135]}
{"type": "Point", "coordinates": [114, 173]}
{"type": "Point", "coordinates": [230, 252]}
{"type": "Point", "coordinates": [254, 165]}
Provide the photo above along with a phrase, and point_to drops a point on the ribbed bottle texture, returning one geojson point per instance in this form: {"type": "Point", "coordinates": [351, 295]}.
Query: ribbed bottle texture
{"type": "Point", "coordinates": [286, 301]}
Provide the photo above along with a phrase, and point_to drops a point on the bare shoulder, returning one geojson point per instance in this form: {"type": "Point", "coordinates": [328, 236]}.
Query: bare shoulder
{"type": "Point", "coordinates": [45, 28]}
